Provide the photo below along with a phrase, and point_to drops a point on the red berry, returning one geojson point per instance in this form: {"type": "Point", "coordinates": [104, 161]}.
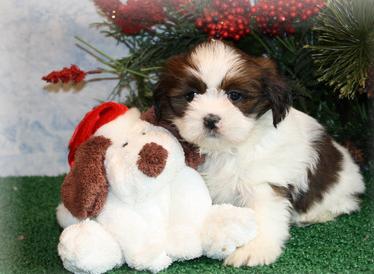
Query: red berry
{"type": "Point", "coordinates": [239, 10]}
{"type": "Point", "coordinates": [291, 30]}
{"type": "Point", "coordinates": [199, 23]}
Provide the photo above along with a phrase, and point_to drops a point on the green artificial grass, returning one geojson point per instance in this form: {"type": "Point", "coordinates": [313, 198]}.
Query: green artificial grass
{"type": "Point", "coordinates": [29, 236]}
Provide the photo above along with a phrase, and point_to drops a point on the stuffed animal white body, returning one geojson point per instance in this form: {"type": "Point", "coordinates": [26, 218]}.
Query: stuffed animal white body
{"type": "Point", "coordinates": [157, 210]}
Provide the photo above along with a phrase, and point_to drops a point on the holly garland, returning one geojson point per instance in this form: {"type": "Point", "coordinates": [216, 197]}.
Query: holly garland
{"type": "Point", "coordinates": [275, 17]}
{"type": "Point", "coordinates": [134, 16]}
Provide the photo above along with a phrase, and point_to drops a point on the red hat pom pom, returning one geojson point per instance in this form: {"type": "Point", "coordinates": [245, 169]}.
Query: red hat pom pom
{"type": "Point", "coordinates": [97, 117]}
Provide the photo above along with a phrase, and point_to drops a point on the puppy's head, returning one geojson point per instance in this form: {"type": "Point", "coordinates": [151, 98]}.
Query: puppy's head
{"type": "Point", "coordinates": [215, 94]}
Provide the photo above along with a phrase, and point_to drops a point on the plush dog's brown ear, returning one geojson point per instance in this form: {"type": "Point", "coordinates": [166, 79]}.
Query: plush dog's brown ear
{"type": "Point", "coordinates": [85, 188]}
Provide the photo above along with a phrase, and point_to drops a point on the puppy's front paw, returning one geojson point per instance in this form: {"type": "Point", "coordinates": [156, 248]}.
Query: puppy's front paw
{"type": "Point", "coordinates": [257, 252]}
{"type": "Point", "coordinates": [226, 228]}
{"type": "Point", "coordinates": [87, 248]}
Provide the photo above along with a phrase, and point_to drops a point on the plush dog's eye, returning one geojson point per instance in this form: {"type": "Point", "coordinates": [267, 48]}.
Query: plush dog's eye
{"type": "Point", "coordinates": [234, 95]}
{"type": "Point", "coordinates": [190, 95]}
{"type": "Point", "coordinates": [125, 144]}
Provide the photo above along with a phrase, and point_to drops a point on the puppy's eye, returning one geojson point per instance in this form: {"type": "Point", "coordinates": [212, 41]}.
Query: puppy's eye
{"type": "Point", "coordinates": [234, 95]}
{"type": "Point", "coordinates": [125, 144]}
{"type": "Point", "coordinates": [190, 95]}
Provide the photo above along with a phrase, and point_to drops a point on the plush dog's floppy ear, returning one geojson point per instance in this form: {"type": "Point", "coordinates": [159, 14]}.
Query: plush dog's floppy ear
{"type": "Point", "coordinates": [85, 188]}
{"type": "Point", "coordinates": [274, 89]}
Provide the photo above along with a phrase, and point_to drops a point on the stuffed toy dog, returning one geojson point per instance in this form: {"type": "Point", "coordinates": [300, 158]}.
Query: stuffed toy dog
{"type": "Point", "coordinates": [130, 198]}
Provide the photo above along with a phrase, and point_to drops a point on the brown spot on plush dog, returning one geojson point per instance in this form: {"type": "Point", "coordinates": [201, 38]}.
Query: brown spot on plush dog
{"type": "Point", "coordinates": [193, 158]}
{"type": "Point", "coordinates": [85, 188]}
{"type": "Point", "coordinates": [152, 159]}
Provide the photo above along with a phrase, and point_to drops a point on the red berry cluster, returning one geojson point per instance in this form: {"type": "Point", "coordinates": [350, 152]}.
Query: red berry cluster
{"type": "Point", "coordinates": [274, 17]}
{"type": "Point", "coordinates": [74, 74]}
{"type": "Point", "coordinates": [226, 19]}
{"type": "Point", "coordinates": [135, 15]}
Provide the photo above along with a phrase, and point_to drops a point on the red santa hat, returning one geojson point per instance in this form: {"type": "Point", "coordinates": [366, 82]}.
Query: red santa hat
{"type": "Point", "coordinates": [92, 121]}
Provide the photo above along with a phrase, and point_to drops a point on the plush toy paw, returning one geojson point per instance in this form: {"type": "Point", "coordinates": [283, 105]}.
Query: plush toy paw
{"type": "Point", "coordinates": [87, 248]}
{"type": "Point", "coordinates": [184, 243]}
{"type": "Point", "coordinates": [147, 260]}
{"type": "Point", "coordinates": [226, 228]}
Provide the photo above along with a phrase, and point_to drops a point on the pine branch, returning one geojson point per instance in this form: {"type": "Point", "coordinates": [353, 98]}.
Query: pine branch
{"type": "Point", "coordinates": [345, 47]}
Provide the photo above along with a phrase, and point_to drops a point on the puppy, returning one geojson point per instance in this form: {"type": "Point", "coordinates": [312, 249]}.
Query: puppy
{"type": "Point", "coordinates": [259, 152]}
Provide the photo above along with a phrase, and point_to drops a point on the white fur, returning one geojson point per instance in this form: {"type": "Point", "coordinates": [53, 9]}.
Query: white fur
{"type": "Point", "coordinates": [64, 217]}
{"type": "Point", "coordinates": [149, 221]}
{"type": "Point", "coordinates": [214, 61]}
{"type": "Point", "coordinates": [247, 154]}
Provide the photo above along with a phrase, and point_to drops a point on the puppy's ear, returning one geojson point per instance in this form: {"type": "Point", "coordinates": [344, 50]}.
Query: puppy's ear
{"type": "Point", "coordinates": [85, 188]}
{"type": "Point", "coordinates": [274, 90]}
{"type": "Point", "coordinates": [172, 74]}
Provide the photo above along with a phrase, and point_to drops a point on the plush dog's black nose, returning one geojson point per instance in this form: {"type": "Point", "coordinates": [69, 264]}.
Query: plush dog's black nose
{"type": "Point", "coordinates": [211, 120]}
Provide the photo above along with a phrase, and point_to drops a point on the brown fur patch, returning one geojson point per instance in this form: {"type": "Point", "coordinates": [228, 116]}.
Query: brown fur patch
{"type": "Point", "coordinates": [324, 176]}
{"type": "Point", "coordinates": [175, 82]}
{"type": "Point", "coordinates": [262, 88]}
{"type": "Point", "coordinates": [152, 159]}
{"type": "Point", "coordinates": [85, 187]}
{"type": "Point", "coordinates": [281, 191]}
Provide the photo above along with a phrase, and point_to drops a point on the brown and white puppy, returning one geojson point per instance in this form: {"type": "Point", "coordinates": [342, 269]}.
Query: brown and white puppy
{"type": "Point", "coordinates": [259, 151]}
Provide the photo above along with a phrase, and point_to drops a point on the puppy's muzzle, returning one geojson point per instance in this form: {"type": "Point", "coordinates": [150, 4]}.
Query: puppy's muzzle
{"type": "Point", "coordinates": [152, 159]}
{"type": "Point", "coordinates": [210, 121]}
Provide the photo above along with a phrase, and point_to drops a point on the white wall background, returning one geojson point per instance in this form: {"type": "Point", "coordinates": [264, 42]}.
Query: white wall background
{"type": "Point", "coordinates": [36, 37]}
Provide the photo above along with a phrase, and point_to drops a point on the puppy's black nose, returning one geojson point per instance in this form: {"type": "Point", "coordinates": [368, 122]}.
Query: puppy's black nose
{"type": "Point", "coordinates": [211, 120]}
